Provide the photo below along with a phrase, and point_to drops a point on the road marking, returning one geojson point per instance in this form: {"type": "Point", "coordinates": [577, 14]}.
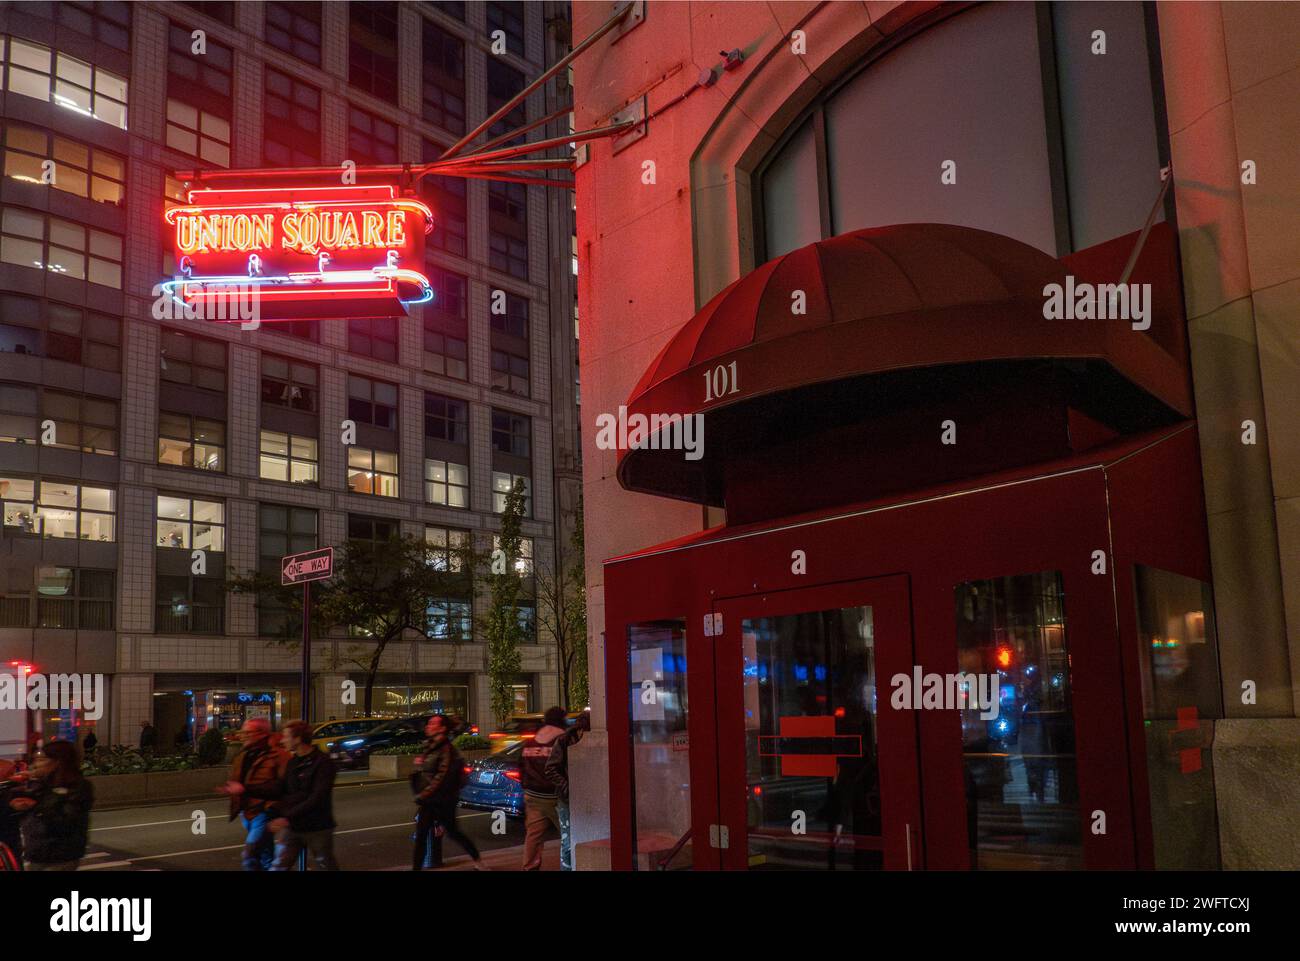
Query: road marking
{"type": "Point", "coordinates": [148, 824]}
{"type": "Point", "coordinates": [95, 854]}
{"type": "Point", "coordinates": [106, 864]}
{"type": "Point", "coordinates": [236, 847]}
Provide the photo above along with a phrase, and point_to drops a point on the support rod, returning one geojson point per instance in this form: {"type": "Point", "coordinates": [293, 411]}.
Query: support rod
{"type": "Point", "coordinates": [546, 75]}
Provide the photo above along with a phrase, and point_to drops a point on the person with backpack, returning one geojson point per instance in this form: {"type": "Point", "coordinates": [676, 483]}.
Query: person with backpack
{"type": "Point", "coordinates": [55, 804]}
{"type": "Point", "coordinates": [541, 800]}
{"type": "Point", "coordinates": [437, 787]}
{"type": "Point", "coordinates": [259, 762]}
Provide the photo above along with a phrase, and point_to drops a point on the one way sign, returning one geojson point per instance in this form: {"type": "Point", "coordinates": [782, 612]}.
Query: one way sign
{"type": "Point", "coordinates": [314, 565]}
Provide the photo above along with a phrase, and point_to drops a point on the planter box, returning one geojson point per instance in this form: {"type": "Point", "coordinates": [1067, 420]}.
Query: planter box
{"type": "Point", "coordinates": [160, 786]}
{"type": "Point", "coordinates": [398, 766]}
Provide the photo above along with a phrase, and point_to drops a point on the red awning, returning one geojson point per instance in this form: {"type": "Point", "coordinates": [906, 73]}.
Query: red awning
{"type": "Point", "coordinates": [899, 297]}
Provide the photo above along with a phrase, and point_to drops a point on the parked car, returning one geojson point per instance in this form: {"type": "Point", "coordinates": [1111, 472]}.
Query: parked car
{"type": "Point", "coordinates": [493, 783]}
{"type": "Point", "coordinates": [329, 733]}
{"type": "Point", "coordinates": [354, 752]}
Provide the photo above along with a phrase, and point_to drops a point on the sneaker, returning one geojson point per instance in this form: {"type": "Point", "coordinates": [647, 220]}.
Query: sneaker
{"type": "Point", "coordinates": [480, 866]}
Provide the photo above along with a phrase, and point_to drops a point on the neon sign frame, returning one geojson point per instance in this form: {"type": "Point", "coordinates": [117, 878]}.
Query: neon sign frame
{"type": "Point", "coordinates": [241, 232]}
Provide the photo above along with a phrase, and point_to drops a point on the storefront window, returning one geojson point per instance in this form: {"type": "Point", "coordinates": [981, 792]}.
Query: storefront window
{"type": "Point", "coordinates": [661, 773]}
{"type": "Point", "coordinates": [1022, 794]}
{"type": "Point", "coordinates": [1181, 697]}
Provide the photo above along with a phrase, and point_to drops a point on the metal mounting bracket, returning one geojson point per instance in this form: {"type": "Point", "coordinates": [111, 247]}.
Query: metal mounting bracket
{"type": "Point", "coordinates": [635, 112]}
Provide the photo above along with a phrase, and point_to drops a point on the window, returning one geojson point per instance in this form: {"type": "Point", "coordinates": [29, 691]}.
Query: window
{"type": "Point", "coordinates": [452, 8]}
{"type": "Point", "coordinates": [515, 319]}
{"type": "Point", "coordinates": [510, 372]}
{"type": "Point", "coordinates": [189, 605]}
{"type": "Point", "coordinates": [508, 228]}
{"type": "Point", "coordinates": [1181, 697]}
{"type": "Point", "coordinates": [74, 599]}
{"type": "Point", "coordinates": [18, 414]}
{"type": "Point", "coordinates": [47, 508]}
{"type": "Point", "coordinates": [74, 84]}
{"type": "Point", "coordinates": [511, 433]}
{"type": "Point", "coordinates": [107, 22]}
{"type": "Point", "coordinates": [508, 17]}
{"type": "Point", "coordinates": [524, 562]}
{"type": "Point", "coordinates": [199, 98]}
{"type": "Point", "coordinates": [372, 48]}
{"type": "Point", "coordinates": [446, 350]}
{"type": "Point", "coordinates": [57, 509]}
{"type": "Point", "coordinates": [446, 418]}
{"type": "Point", "coordinates": [32, 239]}
{"type": "Point", "coordinates": [373, 336]}
{"type": "Point", "coordinates": [190, 524]}
{"type": "Point", "coordinates": [446, 483]}
{"type": "Point", "coordinates": [372, 472]}
{"type": "Point", "coordinates": [1087, 165]}
{"type": "Point", "coordinates": [526, 615]}
{"type": "Point", "coordinates": [285, 457]}
{"type": "Point", "coordinates": [222, 10]}
{"type": "Point", "coordinates": [1021, 763]}
{"type": "Point", "coordinates": [186, 441]}
{"type": "Point", "coordinates": [291, 131]}
{"type": "Point", "coordinates": [502, 484]}
{"type": "Point", "coordinates": [87, 424]}
{"type": "Point", "coordinates": [447, 196]}
{"type": "Point", "coordinates": [451, 619]}
{"type": "Point", "coordinates": [503, 82]}
{"type": "Point", "coordinates": [295, 28]}
{"type": "Point", "coordinates": [79, 169]}
{"type": "Point", "coordinates": [444, 78]}
{"type": "Point", "coordinates": [59, 332]}
{"type": "Point", "coordinates": [194, 361]}
{"type": "Point", "coordinates": [16, 598]}
{"type": "Point", "coordinates": [371, 531]}
{"type": "Point", "coordinates": [371, 139]}
{"type": "Point", "coordinates": [289, 383]}
{"type": "Point", "coordinates": [450, 548]}
{"type": "Point", "coordinates": [372, 402]}
{"type": "Point", "coordinates": [282, 531]}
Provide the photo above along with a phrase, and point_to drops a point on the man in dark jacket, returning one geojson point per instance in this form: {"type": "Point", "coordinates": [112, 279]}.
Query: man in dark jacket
{"type": "Point", "coordinates": [437, 792]}
{"type": "Point", "coordinates": [148, 736]}
{"type": "Point", "coordinates": [258, 763]}
{"type": "Point", "coordinates": [540, 797]}
{"type": "Point", "coordinates": [557, 772]}
{"type": "Point", "coordinates": [302, 802]}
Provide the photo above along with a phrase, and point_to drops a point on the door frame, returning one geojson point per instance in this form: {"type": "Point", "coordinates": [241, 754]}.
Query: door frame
{"type": "Point", "coordinates": [896, 733]}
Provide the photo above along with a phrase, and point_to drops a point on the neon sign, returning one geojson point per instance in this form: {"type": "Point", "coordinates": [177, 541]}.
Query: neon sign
{"type": "Point", "coordinates": [303, 251]}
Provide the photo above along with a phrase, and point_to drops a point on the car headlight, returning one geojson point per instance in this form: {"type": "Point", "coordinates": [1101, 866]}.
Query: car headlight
{"type": "Point", "coordinates": [355, 742]}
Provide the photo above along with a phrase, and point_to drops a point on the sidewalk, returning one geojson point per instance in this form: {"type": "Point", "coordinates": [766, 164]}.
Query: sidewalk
{"type": "Point", "coordinates": [500, 859]}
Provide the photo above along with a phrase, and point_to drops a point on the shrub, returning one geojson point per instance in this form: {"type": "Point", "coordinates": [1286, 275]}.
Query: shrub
{"type": "Point", "coordinates": [401, 749]}
{"type": "Point", "coordinates": [471, 742]}
{"type": "Point", "coordinates": [212, 747]}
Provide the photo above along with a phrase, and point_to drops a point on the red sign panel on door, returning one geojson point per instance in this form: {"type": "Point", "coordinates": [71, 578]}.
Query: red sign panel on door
{"type": "Point", "coordinates": [306, 251]}
{"type": "Point", "coordinates": [809, 746]}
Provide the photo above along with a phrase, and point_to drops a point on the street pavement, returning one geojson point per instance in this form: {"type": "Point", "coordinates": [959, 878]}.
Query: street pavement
{"type": "Point", "coordinates": [375, 822]}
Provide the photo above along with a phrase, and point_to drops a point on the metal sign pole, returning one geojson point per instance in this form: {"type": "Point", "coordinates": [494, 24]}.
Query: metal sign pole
{"type": "Point", "coordinates": [306, 680]}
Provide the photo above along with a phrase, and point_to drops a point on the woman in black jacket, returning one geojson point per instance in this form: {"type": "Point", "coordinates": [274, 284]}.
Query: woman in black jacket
{"type": "Point", "coordinates": [55, 805]}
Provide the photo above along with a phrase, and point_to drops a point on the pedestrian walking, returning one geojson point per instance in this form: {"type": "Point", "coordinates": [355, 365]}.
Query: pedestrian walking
{"type": "Point", "coordinates": [303, 802]}
{"type": "Point", "coordinates": [437, 785]}
{"type": "Point", "coordinates": [90, 743]}
{"type": "Point", "coordinates": [258, 762]}
{"type": "Point", "coordinates": [55, 806]}
{"type": "Point", "coordinates": [148, 736]}
{"type": "Point", "coordinates": [557, 772]}
{"type": "Point", "coordinates": [540, 798]}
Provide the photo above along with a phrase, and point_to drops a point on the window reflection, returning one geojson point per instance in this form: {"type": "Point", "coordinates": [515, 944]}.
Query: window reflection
{"type": "Point", "coordinates": [1022, 797]}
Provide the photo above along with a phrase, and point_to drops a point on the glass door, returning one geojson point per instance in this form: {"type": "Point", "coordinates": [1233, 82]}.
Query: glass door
{"type": "Point", "coordinates": [817, 769]}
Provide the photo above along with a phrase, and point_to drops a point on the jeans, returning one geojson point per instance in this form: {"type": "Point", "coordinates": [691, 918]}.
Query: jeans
{"type": "Point", "coordinates": [566, 835]}
{"type": "Point", "coordinates": [435, 814]}
{"type": "Point", "coordinates": [538, 813]}
{"type": "Point", "coordinates": [259, 843]}
{"type": "Point", "coordinates": [319, 844]}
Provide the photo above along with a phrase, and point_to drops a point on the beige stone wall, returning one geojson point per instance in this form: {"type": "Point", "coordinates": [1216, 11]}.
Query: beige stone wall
{"type": "Point", "coordinates": [1232, 84]}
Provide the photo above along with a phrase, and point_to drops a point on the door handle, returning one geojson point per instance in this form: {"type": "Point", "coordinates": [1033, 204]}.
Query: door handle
{"type": "Point", "coordinates": [908, 828]}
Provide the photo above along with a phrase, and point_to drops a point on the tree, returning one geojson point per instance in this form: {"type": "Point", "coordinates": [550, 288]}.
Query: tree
{"type": "Point", "coordinates": [378, 592]}
{"type": "Point", "coordinates": [562, 609]}
{"type": "Point", "coordinates": [502, 629]}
